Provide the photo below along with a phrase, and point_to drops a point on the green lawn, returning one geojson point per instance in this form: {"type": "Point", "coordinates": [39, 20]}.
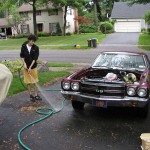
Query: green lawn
{"type": "Point", "coordinates": [144, 40]}
{"type": "Point", "coordinates": [54, 42]}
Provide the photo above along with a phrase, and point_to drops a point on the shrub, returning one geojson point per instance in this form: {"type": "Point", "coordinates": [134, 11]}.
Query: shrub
{"type": "Point", "coordinates": [148, 30]}
{"type": "Point", "coordinates": [68, 34]}
{"type": "Point", "coordinates": [58, 29]}
{"type": "Point", "coordinates": [13, 66]}
{"type": "Point", "coordinates": [106, 27]}
{"type": "Point", "coordinates": [143, 30]}
{"type": "Point", "coordinates": [42, 34]}
{"type": "Point", "coordinates": [87, 28]}
{"type": "Point", "coordinates": [18, 36]}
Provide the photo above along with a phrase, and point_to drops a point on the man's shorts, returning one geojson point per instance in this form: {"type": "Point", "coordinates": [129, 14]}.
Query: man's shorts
{"type": "Point", "coordinates": [32, 77]}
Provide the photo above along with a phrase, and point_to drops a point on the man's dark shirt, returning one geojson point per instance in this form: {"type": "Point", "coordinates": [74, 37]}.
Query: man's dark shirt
{"type": "Point", "coordinates": [29, 57]}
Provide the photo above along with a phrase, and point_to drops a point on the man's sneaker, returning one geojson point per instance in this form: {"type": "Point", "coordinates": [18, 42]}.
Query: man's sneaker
{"type": "Point", "coordinates": [32, 98]}
{"type": "Point", "coordinates": [38, 98]}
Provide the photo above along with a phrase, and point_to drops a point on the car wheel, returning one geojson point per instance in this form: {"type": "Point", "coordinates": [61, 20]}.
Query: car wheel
{"type": "Point", "coordinates": [77, 105]}
{"type": "Point", "coordinates": [143, 112]}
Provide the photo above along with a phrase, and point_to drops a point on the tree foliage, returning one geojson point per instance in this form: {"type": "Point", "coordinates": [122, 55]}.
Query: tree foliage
{"type": "Point", "coordinates": [82, 19]}
{"type": "Point", "coordinates": [147, 17]}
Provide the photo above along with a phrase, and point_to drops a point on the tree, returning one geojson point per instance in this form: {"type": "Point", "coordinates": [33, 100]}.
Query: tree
{"type": "Point", "coordinates": [82, 19]}
{"type": "Point", "coordinates": [67, 4]}
{"type": "Point", "coordinates": [14, 19]}
{"type": "Point", "coordinates": [147, 17]}
{"type": "Point", "coordinates": [58, 29]}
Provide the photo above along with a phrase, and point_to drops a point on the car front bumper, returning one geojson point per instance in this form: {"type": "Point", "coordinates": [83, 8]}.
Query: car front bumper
{"type": "Point", "coordinates": [109, 101]}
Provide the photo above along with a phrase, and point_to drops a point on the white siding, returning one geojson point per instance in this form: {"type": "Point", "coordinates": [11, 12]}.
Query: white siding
{"type": "Point", "coordinates": [45, 19]}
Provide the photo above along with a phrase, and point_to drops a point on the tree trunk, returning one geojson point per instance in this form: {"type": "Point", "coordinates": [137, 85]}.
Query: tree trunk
{"type": "Point", "coordinates": [34, 18]}
{"type": "Point", "coordinates": [65, 14]}
{"type": "Point", "coordinates": [95, 16]}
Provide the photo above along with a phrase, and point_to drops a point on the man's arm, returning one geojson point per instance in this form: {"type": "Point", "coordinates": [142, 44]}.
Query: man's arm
{"type": "Point", "coordinates": [24, 64]}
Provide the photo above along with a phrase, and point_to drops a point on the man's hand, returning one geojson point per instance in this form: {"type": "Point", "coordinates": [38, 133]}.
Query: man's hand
{"type": "Point", "coordinates": [29, 70]}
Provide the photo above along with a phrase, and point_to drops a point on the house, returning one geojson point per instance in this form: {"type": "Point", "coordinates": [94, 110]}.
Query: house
{"type": "Point", "coordinates": [5, 27]}
{"type": "Point", "coordinates": [47, 18]}
{"type": "Point", "coordinates": [129, 18]}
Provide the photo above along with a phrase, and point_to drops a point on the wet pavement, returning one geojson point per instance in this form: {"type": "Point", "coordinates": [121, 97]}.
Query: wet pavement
{"type": "Point", "coordinates": [93, 128]}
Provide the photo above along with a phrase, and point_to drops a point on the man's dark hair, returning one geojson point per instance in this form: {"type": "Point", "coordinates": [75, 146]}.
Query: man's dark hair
{"type": "Point", "coordinates": [32, 37]}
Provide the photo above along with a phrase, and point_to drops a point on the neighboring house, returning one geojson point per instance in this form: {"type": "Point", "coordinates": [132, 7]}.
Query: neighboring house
{"type": "Point", "coordinates": [4, 27]}
{"type": "Point", "coordinates": [47, 18]}
{"type": "Point", "coordinates": [129, 18]}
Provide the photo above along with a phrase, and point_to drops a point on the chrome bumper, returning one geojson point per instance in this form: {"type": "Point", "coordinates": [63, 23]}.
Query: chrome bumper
{"type": "Point", "coordinates": [111, 101]}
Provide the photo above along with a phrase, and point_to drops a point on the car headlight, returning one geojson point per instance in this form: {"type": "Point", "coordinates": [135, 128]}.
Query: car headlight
{"type": "Point", "coordinates": [142, 92]}
{"type": "Point", "coordinates": [131, 91]}
{"type": "Point", "coordinates": [75, 86]}
{"type": "Point", "coordinates": [66, 85]}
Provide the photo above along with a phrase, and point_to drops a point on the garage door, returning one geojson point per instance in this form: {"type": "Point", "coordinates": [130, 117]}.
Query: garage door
{"type": "Point", "coordinates": [129, 26]}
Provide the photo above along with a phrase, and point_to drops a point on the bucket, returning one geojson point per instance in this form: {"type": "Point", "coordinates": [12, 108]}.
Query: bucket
{"type": "Point", "coordinates": [145, 137]}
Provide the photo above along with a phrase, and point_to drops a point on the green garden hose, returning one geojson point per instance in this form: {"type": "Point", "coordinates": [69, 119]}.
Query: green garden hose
{"type": "Point", "coordinates": [49, 112]}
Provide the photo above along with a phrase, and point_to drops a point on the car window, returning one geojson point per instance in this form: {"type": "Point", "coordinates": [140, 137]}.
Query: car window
{"type": "Point", "coordinates": [120, 60]}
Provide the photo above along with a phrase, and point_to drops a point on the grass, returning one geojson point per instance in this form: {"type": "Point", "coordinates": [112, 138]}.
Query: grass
{"type": "Point", "coordinates": [44, 77]}
{"type": "Point", "coordinates": [54, 42]}
{"type": "Point", "coordinates": [51, 64]}
{"type": "Point", "coordinates": [144, 40]}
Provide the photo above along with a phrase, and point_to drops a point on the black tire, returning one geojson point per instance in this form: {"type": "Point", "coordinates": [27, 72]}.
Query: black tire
{"type": "Point", "coordinates": [77, 105]}
{"type": "Point", "coordinates": [143, 112]}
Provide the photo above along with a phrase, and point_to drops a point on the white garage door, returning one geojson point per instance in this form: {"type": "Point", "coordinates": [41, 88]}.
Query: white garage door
{"type": "Point", "coordinates": [130, 26]}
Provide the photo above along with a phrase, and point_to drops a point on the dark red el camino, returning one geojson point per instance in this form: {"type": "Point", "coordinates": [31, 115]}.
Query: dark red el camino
{"type": "Point", "coordinates": [115, 79]}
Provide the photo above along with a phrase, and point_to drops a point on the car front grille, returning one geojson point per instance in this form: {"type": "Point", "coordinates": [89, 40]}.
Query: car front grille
{"type": "Point", "coordinates": [102, 89]}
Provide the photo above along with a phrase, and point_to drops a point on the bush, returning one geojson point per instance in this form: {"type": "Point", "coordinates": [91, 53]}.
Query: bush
{"type": "Point", "coordinates": [68, 34]}
{"type": "Point", "coordinates": [106, 27]}
{"type": "Point", "coordinates": [58, 29]}
{"type": "Point", "coordinates": [87, 28]}
{"type": "Point", "coordinates": [143, 30]}
{"type": "Point", "coordinates": [13, 66]}
{"type": "Point", "coordinates": [148, 30]}
{"type": "Point", "coordinates": [43, 34]}
{"type": "Point", "coordinates": [23, 35]}
{"type": "Point", "coordinates": [18, 36]}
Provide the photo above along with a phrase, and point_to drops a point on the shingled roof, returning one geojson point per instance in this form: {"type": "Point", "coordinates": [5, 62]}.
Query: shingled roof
{"type": "Point", "coordinates": [27, 7]}
{"type": "Point", "coordinates": [122, 10]}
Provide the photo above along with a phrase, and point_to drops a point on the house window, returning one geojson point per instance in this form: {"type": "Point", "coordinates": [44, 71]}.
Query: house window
{"type": "Point", "coordinates": [52, 27]}
{"type": "Point", "coordinates": [69, 11]}
{"type": "Point", "coordinates": [40, 27]}
{"type": "Point", "coordinates": [38, 12]}
{"type": "Point", "coordinates": [25, 28]}
{"type": "Point", "coordinates": [53, 12]}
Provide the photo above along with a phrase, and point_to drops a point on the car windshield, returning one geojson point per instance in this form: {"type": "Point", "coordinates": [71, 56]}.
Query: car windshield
{"type": "Point", "coordinates": [127, 61]}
